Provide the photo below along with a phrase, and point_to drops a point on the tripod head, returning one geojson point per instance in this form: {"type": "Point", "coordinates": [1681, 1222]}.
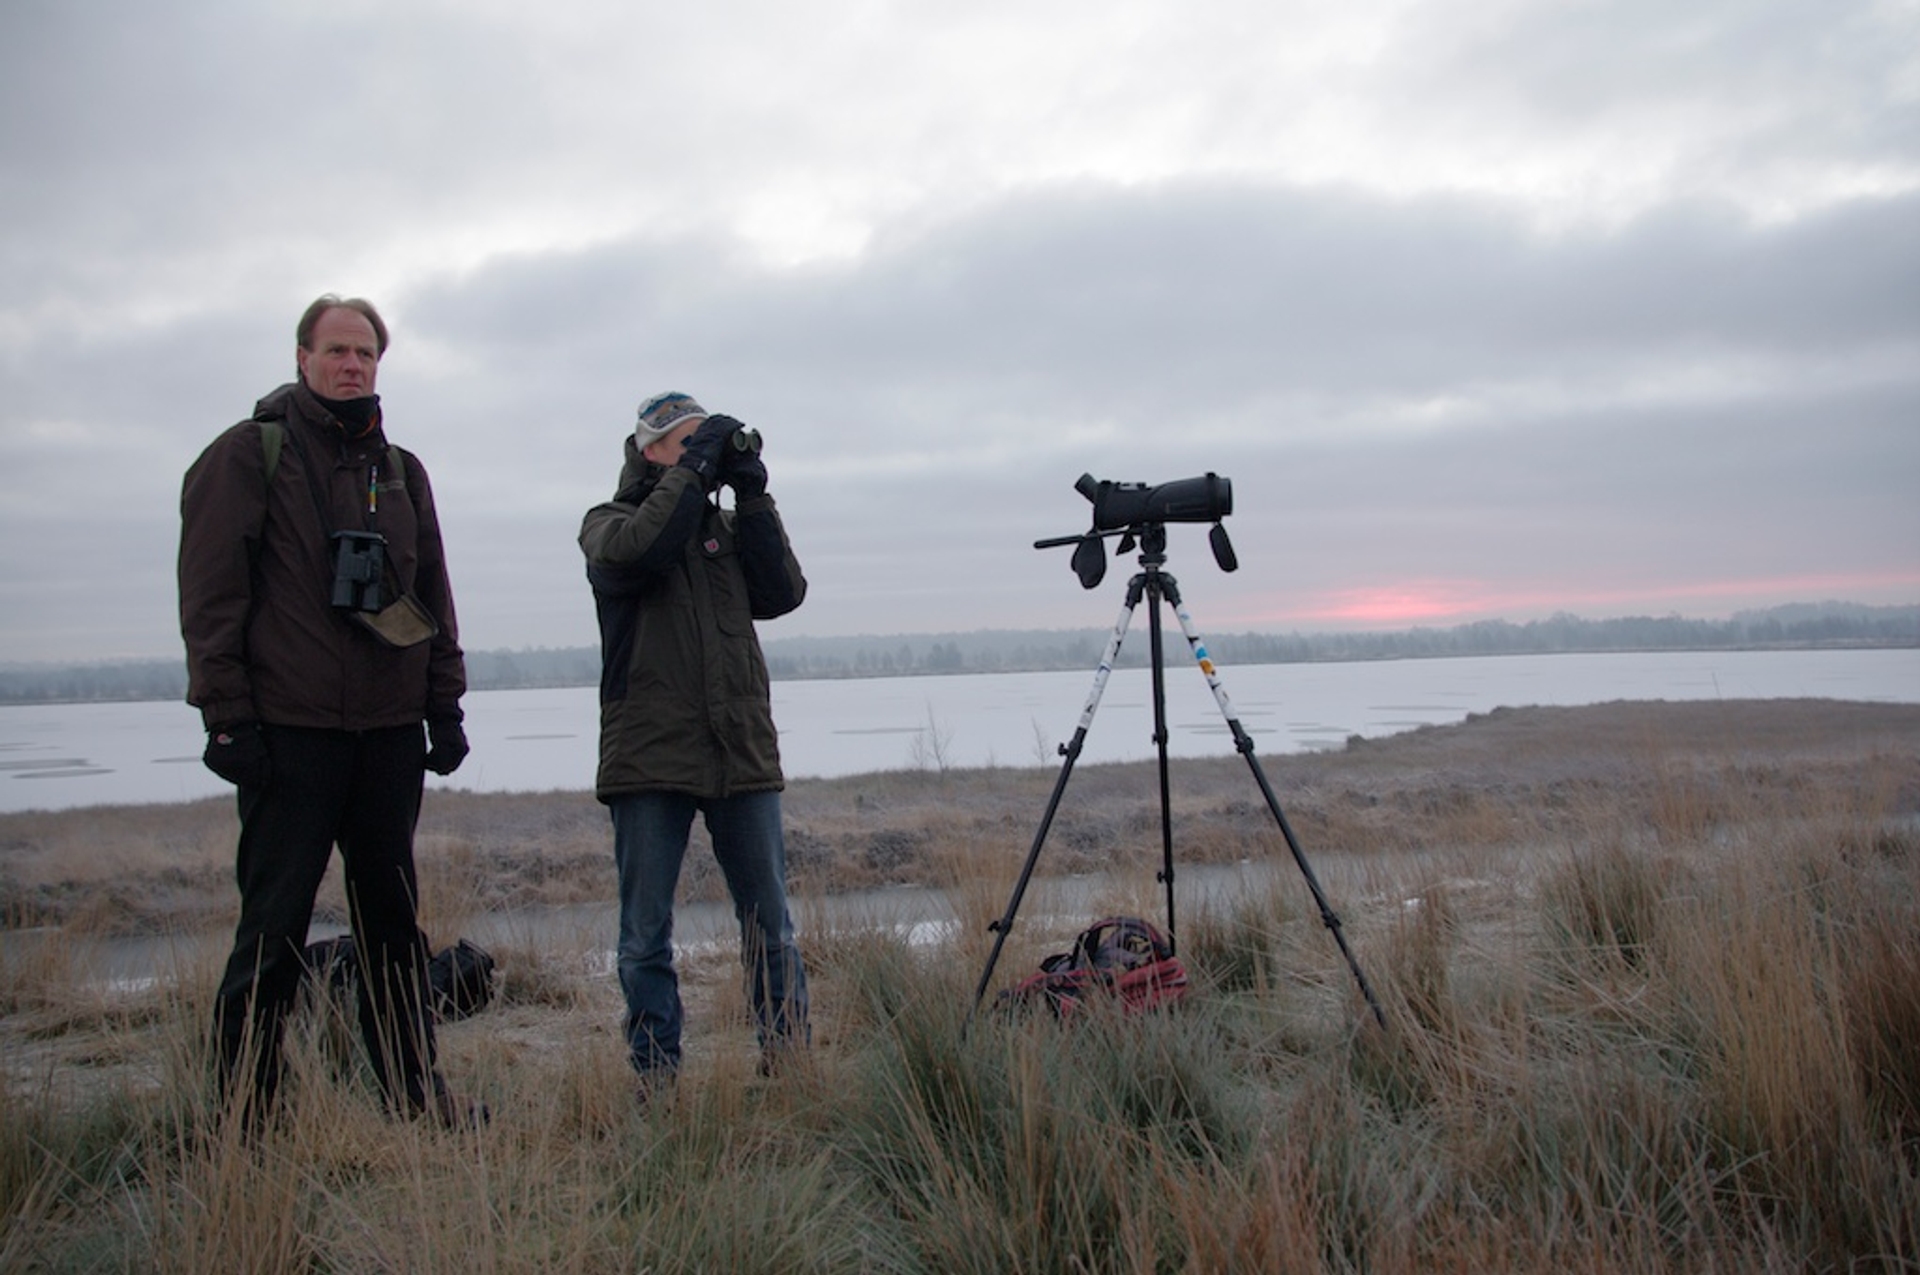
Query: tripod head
{"type": "Point", "coordinates": [1138, 514]}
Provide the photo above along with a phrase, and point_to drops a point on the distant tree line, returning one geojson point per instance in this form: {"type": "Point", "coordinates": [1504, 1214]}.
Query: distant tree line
{"type": "Point", "coordinates": [92, 683]}
{"type": "Point", "coordinates": [1800, 626]}
{"type": "Point", "coordinates": [1781, 628]}
{"type": "Point", "coordinates": [1773, 630]}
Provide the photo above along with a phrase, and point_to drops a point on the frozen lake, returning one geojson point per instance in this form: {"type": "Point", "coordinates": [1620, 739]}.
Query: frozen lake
{"type": "Point", "coordinates": [63, 756]}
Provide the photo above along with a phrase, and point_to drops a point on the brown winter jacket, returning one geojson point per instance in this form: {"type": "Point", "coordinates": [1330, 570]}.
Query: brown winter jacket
{"type": "Point", "coordinates": [264, 642]}
{"type": "Point", "coordinates": [685, 704]}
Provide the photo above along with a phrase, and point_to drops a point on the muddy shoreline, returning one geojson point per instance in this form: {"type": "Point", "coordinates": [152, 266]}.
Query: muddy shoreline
{"type": "Point", "coordinates": [1507, 777]}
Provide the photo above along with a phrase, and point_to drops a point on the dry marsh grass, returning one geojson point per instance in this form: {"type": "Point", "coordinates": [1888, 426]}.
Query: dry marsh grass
{"type": "Point", "coordinates": [1651, 973]}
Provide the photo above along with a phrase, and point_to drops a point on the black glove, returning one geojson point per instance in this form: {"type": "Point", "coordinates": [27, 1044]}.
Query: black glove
{"type": "Point", "coordinates": [744, 471]}
{"type": "Point", "coordinates": [446, 746]}
{"type": "Point", "coordinates": [238, 754]}
{"type": "Point", "coordinates": [703, 449]}
{"type": "Point", "coordinates": [740, 465]}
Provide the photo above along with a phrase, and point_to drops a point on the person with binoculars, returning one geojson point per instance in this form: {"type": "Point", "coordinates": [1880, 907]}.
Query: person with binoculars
{"type": "Point", "coordinates": [320, 636]}
{"type": "Point", "coordinates": [686, 715]}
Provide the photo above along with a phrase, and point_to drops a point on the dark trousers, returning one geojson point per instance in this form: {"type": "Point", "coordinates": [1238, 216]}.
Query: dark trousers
{"type": "Point", "coordinates": [360, 791]}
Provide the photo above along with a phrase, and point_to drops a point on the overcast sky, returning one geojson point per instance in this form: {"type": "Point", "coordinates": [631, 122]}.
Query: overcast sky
{"type": "Point", "coordinates": [1487, 308]}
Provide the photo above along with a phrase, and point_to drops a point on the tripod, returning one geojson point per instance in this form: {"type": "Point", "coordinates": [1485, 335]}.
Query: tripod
{"type": "Point", "coordinates": [1154, 584]}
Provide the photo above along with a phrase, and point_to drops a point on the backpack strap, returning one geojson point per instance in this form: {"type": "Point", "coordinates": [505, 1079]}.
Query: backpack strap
{"type": "Point", "coordinates": [1132, 938]}
{"type": "Point", "coordinates": [273, 436]}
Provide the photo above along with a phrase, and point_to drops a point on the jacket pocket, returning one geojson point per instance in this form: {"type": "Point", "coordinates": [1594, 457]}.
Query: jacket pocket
{"type": "Point", "coordinates": [727, 587]}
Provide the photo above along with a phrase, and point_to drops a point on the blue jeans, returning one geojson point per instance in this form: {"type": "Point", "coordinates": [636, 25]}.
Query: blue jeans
{"type": "Point", "coordinates": [649, 844]}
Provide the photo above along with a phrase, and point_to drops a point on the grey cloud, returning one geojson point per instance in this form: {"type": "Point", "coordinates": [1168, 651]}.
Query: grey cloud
{"type": "Point", "coordinates": [1181, 318]}
{"type": "Point", "coordinates": [1183, 303]}
{"type": "Point", "coordinates": [1401, 385]}
{"type": "Point", "coordinates": [1788, 81]}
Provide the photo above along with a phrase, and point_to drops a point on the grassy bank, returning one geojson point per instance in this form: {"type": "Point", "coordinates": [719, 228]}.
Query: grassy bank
{"type": "Point", "coordinates": [1650, 973]}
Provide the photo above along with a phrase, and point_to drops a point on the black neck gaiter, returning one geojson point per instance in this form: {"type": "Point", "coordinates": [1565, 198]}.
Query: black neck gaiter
{"type": "Point", "coordinates": [357, 416]}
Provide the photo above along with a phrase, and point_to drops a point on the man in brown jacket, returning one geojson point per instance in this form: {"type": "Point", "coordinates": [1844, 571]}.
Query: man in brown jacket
{"type": "Point", "coordinates": [320, 635]}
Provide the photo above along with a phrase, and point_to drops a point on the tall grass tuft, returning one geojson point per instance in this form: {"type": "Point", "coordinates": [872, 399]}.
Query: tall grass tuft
{"type": "Point", "coordinates": [1605, 909]}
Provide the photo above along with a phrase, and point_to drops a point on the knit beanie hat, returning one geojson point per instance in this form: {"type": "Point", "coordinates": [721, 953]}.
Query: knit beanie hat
{"type": "Point", "coordinates": [659, 414]}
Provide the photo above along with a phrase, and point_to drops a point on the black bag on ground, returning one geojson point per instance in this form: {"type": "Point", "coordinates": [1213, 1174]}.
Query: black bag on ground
{"type": "Point", "coordinates": [459, 978]}
{"type": "Point", "coordinates": [334, 968]}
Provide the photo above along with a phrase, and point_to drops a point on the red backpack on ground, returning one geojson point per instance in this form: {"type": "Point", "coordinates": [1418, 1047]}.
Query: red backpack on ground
{"type": "Point", "coordinates": [1122, 957]}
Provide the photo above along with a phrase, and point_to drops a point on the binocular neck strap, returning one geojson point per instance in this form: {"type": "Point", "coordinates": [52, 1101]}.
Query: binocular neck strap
{"type": "Point", "coordinates": [313, 482]}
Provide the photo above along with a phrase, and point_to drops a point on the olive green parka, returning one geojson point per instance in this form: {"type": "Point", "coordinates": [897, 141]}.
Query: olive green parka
{"type": "Point", "coordinates": [685, 704]}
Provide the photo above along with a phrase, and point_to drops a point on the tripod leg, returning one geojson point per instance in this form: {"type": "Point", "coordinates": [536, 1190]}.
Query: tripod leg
{"type": "Point", "coordinates": [1157, 584]}
{"type": "Point", "coordinates": [1244, 744]}
{"type": "Point", "coordinates": [1071, 752]}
